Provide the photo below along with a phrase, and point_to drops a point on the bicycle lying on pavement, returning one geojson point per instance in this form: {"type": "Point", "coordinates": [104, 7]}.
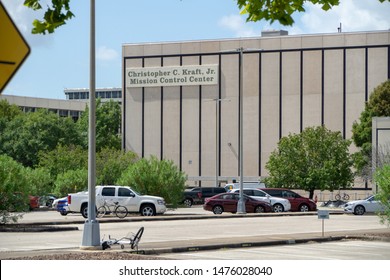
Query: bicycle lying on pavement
{"type": "Point", "coordinates": [131, 239]}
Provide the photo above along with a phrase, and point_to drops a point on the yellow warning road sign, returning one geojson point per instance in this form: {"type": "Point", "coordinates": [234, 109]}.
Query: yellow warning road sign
{"type": "Point", "coordinates": [13, 48]}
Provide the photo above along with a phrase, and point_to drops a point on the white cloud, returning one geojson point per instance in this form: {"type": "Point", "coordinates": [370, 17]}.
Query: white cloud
{"type": "Point", "coordinates": [238, 25]}
{"type": "Point", "coordinates": [106, 54]}
{"type": "Point", "coordinates": [23, 18]}
{"type": "Point", "coordinates": [362, 15]}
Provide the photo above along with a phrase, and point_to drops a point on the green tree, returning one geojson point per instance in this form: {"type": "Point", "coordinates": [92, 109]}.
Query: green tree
{"type": "Point", "coordinates": [13, 190]}
{"type": "Point", "coordinates": [152, 176]}
{"type": "Point", "coordinates": [111, 163]}
{"type": "Point", "coordinates": [55, 15]}
{"type": "Point", "coordinates": [280, 10]}
{"type": "Point", "coordinates": [108, 123]}
{"type": "Point", "coordinates": [39, 181]}
{"type": "Point", "coordinates": [270, 10]}
{"type": "Point", "coordinates": [7, 113]}
{"type": "Point", "coordinates": [62, 159]}
{"type": "Point", "coordinates": [378, 105]}
{"type": "Point", "coordinates": [382, 178]}
{"type": "Point", "coordinates": [317, 158]}
{"type": "Point", "coordinates": [71, 181]}
{"type": "Point", "coordinates": [28, 134]}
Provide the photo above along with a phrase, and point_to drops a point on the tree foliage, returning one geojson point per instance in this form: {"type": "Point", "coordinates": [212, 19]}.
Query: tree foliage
{"type": "Point", "coordinates": [160, 178]}
{"type": "Point", "coordinates": [7, 113]}
{"type": "Point", "coordinates": [39, 181]}
{"type": "Point", "coordinates": [28, 134]}
{"type": "Point", "coordinates": [71, 181]}
{"type": "Point", "coordinates": [317, 158]}
{"type": "Point", "coordinates": [269, 10]}
{"type": "Point", "coordinates": [111, 163]}
{"type": "Point", "coordinates": [108, 123]}
{"type": "Point", "coordinates": [382, 179]}
{"type": "Point", "coordinates": [280, 10]}
{"type": "Point", "coordinates": [62, 159]}
{"type": "Point", "coordinates": [55, 15]}
{"type": "Point", "coordinates": [13, 189]}
{"type": "Point", "coordinates": [378, 105]}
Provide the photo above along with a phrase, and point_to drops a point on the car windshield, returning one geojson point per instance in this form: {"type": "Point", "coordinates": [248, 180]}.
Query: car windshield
{"type": "Point", "coordinates": [136, 193]}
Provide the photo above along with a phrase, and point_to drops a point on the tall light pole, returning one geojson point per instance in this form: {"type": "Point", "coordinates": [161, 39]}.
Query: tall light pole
{"type": "Point", "coordinates": [241, 203]}
{"type": "Point", "coordinates": [91, 233]}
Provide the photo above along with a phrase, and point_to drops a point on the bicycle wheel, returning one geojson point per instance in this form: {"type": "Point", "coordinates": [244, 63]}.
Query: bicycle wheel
{"type": "Point", "coordinates": [346, 196]}
{"type": "Point", "coordinates": [121, 211]}
{"type": "Point", "coordinates": [338, 196]}
{"type": "Point", "coordinates": [101, 211]}
{"type": "Point", "coordinates": [137, 238]}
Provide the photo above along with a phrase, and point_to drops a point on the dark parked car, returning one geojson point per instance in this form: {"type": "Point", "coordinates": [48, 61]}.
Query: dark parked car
{"type": "Point", "coordinates": [227, 202]}
{"type": "Point", "coordinates": [197, 195]}
{"type": "Point", "coordinates": [298, 202]}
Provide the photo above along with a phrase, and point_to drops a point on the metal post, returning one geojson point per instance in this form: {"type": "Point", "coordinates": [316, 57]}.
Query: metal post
{"type": "Point", "coordinates": [241, 203]}
{"type": "Point", "coordinates": [91, 234]}
{"type": "Point", "coordinates": [216, 142]}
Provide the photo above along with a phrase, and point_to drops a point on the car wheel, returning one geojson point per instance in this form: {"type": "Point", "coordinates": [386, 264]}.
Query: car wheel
{"type": "Point", "coordinates": [259, 209]}
{"type": "Point", "coordinates": [304, 208]}
{"type": "Point", "coordinates": [84, 211]}
{"type": "Point", "coordinates": [187, 202]}
{"type": "Point", "coordinates": [217, 210]}
{"type": "Point", "coordinates": [148, 210]}
{"type": "Point", "coordinates": [278, 208]}
{"type": "Point", "coordinates": [359, 210]}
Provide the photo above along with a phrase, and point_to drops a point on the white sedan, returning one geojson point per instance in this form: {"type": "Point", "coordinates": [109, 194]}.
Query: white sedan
{"type": "Point", "coordinates": [278, 204]}
{"type": "Point", "coordinates": [359, 207]}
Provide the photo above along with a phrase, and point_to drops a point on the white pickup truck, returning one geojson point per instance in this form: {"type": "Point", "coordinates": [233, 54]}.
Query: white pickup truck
{"type": "Point", "coordinates": [146, 205]}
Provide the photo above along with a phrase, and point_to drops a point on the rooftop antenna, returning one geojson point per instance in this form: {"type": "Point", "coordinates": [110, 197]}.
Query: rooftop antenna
{"type": "Point", "coordinates": [339, 28]}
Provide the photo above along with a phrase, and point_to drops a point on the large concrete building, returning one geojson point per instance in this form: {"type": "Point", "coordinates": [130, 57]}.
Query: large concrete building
{"type": "Point", "coordinates": [181, 100]}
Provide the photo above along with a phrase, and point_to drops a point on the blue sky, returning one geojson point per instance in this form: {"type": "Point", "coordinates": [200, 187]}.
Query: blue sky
{"type": "Point", "coordinates": [61, 60]}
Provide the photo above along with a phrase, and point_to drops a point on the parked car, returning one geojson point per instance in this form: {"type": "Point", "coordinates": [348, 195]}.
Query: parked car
{"type": "Point", "coordinates": [298, 202]}
{"type": "Point", "coordinates": [278, 204]}
{"type": "Point", "coordinates": [47, 200]}
{"type": "Point", "coordinates": [199, 194]}
{"type": "Point", "coordinates": [368, 205]}
{"type": "Point", "coordinates": [33, 202]}
{"type": "Point", "coordinates": [227, 202]}
{"type": "Point", "coordinates": [246, 185]}
{"type": "Point", "coordinates": [145, 205]}
{"type": "Point", "coordinates": [61, 205]}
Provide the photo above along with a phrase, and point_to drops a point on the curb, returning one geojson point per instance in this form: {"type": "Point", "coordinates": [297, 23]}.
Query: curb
{"type": "Point", "coordinates": [173, 217]}
{"type": "Point", "coordinates": [34, 228]}
{"type": "Point", "coordinates": [238, 245]}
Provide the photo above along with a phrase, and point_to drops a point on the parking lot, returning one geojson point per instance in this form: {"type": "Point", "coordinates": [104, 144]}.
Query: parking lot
{"type": "Point", "coordinates": [338, 250]}
{"type": "Point", "coordinates": [192, 229]}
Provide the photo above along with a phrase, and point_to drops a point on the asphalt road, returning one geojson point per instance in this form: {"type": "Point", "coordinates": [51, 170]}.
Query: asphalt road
{"type": "Point", "coordinates": [191, 230]}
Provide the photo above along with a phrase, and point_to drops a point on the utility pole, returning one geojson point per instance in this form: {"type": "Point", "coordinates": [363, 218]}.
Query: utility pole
{"type": "Point", "coordinates": [91, 233]}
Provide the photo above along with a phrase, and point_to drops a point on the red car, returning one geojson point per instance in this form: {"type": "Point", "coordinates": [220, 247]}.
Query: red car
{"type": "Point", "coordinates": [33, 202]}
{"type": "Point", "coordinates": [298, 203]}
{"type": "Point", "coordinates": [227, 202]}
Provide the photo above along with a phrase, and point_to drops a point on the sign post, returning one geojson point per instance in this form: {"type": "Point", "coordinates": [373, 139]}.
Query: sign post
{"type": "Point", "coordinates": [322, 215]}
{"type": "Point", "coordinates": [13, 48]}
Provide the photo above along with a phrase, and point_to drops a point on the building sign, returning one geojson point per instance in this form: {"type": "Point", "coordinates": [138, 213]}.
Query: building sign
{"type": "Point", "coordinates": [172, 76]}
